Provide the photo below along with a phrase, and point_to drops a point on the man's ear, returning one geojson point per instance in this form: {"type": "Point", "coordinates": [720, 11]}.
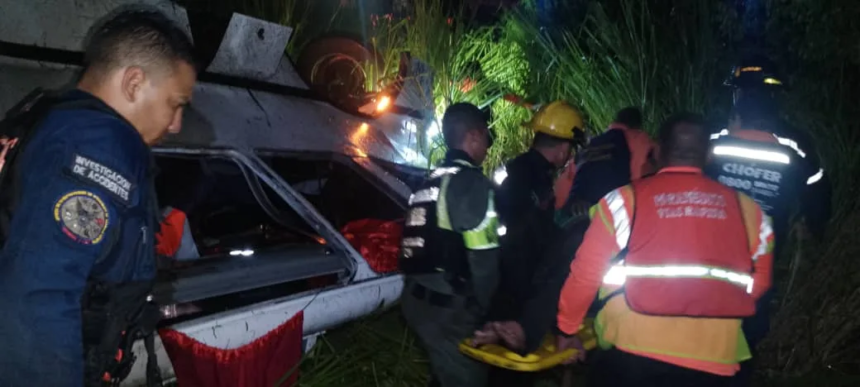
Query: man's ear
{"type": "Point", "coordinates": [133, 79]}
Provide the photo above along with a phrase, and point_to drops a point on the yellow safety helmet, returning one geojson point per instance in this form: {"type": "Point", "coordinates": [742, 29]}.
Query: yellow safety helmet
{"type": "Point", "coordinates": [558, 119]}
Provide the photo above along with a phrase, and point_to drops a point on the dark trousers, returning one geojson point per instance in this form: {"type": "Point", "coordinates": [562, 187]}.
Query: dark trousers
{"type": "Point", "coordinates": [440, 330]}
{"type": "Point", "coordinates": [501, 377]}
{"type": "Point", "coordinates": [615, 368]}
{"type": "Point", "coordinates": [755, 329]}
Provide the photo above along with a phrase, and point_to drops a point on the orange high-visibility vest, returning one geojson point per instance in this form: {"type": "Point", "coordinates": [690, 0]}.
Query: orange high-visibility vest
{"type": "Point", "coordinates": [690, 256]}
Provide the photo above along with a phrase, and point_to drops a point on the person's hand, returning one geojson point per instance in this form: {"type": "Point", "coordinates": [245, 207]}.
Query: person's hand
{"type": "Point", "coordinates": [484, 336]}
{"type": "Point", "coordinates": [511, 332]}
{"type": "Point", "coordinates": [563, 343]}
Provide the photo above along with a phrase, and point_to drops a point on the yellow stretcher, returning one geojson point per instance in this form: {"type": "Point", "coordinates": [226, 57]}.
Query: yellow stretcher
{"type": "Point", "coordinates": [544, 358]}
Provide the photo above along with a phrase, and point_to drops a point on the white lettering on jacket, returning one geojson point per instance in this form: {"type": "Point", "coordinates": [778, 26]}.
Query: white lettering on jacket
{"type": "Point", "coordinates": [113, 182]}
{"type": "Point", "coordinates": [756, 173]}
{"type": "Point", "coordinates": [690, 204]}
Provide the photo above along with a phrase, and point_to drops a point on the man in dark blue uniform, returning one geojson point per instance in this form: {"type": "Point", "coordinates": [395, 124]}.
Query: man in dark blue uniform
{"type": "Point", "coordinates": [449, 252]}
{"type": "Point", "coordinates": [78, 256]}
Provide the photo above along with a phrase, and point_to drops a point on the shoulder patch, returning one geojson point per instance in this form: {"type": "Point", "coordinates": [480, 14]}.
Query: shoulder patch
{"type": "Point", "coordinates": [85, 169]}
{"type": "Point", "coordinates": [82, 216]}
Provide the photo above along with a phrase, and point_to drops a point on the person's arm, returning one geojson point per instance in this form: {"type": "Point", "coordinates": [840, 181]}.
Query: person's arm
{"type": "Point", "coordinates": [513, 198]}
{"type": "Point", "coordinates": [75, 186]}
{"type": "Point", "coordinates": [540, 310]}
{"type": "Point", "coordinates": [642, 153]}
{"type": "Point", "coordinates": [762, 256]}
{"type": "Point", "coordinates": [469, 199]}
{"type": "Point", "coordinates": [592, 260]}
{"type": "Point", "coordinates": [562, 184]}
{"type": "Point", "coordinates": [759, 231]}
{"type": "Point", "coordinates": [815, 196]}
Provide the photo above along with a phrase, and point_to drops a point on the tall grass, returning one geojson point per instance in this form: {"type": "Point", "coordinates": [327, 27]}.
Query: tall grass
{"type": "Point", "coordinates": [659, 56]}
{"type": "Point", "coordinates": [469, 65]}
{"type": "Point", "coordinates": [818, 326]}
{"type": "Point", "coordinates": [378, 351]}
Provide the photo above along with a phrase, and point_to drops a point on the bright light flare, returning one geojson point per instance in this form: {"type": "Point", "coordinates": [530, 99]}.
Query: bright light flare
{"type": "Point", "coordinates": [433, 131]}
{"type": "Point", "coordinates": [500, 175]}
{"type": "Point", "coordinates": [383, 104]}
{"type": "Point", "coordinates": [244, 253]}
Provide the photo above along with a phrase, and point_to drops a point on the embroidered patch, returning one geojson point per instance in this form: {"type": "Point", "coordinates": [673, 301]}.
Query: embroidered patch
{"type": "Point", "coordinates": [91, 171]}
{"type": "Point", "coordinates": [82, 216]}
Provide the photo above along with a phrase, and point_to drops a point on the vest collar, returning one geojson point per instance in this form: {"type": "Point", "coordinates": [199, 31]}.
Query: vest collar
{"type": "Point", "coordinates": [695, 170]}
{"type": "Point", "coordinates": [454, 155]}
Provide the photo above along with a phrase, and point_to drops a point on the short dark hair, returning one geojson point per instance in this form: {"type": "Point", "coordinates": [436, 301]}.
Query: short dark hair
{"type": "Point", "coordinates": [630, 116]}
{"type": "Point", "coordinates": [138, 36]}
{"type": "Point", "coordinates": [684, 145]}
{"type": "Point", "coordinates": [543, 140]}
{"type": "Point", "coordinates": [459, 120]}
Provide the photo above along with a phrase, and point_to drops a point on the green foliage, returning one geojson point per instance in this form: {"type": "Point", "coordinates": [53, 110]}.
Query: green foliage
{"type": "Point", "coordinates": [629, 53]}
{"type": "Point", "coordinates": [469, 65]}
{"type": "Point", "coordinates": [817, 44]}
{"type": "Point", "coordinates": [378, 351]}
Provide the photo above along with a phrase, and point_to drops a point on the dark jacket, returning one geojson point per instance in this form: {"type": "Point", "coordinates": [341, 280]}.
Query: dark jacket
{"type": "Point", "coordinates": [85, 212]}
{"type": "Point", "coordinates": [800, 185]}
{"type": "Point", "coordinates": [526, 208]}
{"type": "Point", "coordinates": [468, 197]}
{"type": "Point", "coordinates": [609, 161]}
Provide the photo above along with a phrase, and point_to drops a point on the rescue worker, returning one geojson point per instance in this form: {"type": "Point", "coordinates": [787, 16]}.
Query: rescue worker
{"type": "Point", "coordinates": [678, 260]}
{"type": "Point", "coordinates": [78, 262]}
{"type": "Point", "coordinates": [764, 157]}
{"type": "Point", "coordinates": [609, 161]}
{"type": "Point", "coordinates": [551, 150]}
{"type": "Point", "coordinates": [449, 252]}
{"type": "Point", "coordinates": [621, 154]}
{"type": "Point", "coordinates": [526, 205]}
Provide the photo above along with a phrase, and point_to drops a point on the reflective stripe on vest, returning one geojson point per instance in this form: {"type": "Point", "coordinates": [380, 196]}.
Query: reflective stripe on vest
{"type": "Point", "coordinates": [765, 230]}
{"type": "Point", "coordinates": [752, 154]}
{"type": "Point", "coordinates": [618, 274]}
{"type": "Point", "coordinates": [816, 177]}
{"type": "Point", "coordinates": [620, 220]}
{"type": "Point", "coordinates": [424, 196]}
{"type": "Point", "coordinates": [484, 236]}
{"type": "Point", "coordinates": [781, 140]}
{"type": "Point", "coordinates": [791, 144]}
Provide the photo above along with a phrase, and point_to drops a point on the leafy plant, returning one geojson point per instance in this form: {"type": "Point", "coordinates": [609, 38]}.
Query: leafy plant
{"type": "Point", "coordinates": [655, 55]}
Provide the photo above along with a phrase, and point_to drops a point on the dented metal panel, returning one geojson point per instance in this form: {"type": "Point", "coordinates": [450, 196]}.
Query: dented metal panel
{"type": "Point", "coordinates": [64, 24]}
{"type": "Point", "coordinates": [223, 116]}
{"type": "Point", "coordinates": [251, 48]}
{"type": "Point", "coordinates": [220, 116]}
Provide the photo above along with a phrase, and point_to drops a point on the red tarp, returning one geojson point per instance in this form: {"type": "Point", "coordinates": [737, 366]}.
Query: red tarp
{"type": "Point", "coordinates": [261, 363]}
{"type": "Point", "coordinates": [378, 241]}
